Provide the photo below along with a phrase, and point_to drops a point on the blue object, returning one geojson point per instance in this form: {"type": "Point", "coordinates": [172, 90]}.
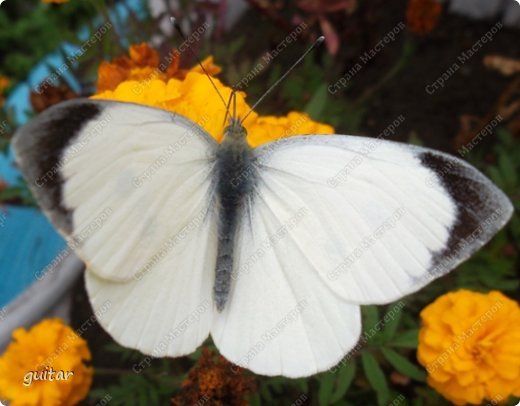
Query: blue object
{"type": "Point", "coordinates": [28, 246]}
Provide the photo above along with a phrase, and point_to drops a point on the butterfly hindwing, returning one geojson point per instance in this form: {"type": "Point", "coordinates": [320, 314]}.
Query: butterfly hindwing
{"type": "Point", "coordinates": [168, 309]}
{"type": "Point", "coordinates": [281, 319]}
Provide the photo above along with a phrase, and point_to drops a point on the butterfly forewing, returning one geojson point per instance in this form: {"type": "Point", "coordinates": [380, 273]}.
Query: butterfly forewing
{"type": "Point", "coordinates": [338, 221]}
{"type": "Point", "coordinates": [130, 187]}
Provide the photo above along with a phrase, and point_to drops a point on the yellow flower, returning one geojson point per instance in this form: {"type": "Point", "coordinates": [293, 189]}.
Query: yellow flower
{"type": "Point", "coordinates": [190, 93]}
{"type": "Point", "coordinates": [188, 97]}
{"type": "Point", "coordinates": [48, 346]}
{"type": "Point", "coordinates": [469, 344]}
{"type": "Point", "coordinates": [269, 128]}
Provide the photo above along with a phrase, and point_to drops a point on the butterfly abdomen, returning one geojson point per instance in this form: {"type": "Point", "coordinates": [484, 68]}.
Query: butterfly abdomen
{"type": "Point", "coordinates": [235, 180]}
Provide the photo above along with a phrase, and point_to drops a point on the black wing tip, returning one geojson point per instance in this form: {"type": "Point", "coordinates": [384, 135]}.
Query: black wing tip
{"type": "Point", "coordinates": [64, 110]}
{"type": "Point", "coordinates": [482, 208]}
{"type": "Point", "coordinates": [463, 181]}
{"type": "Point", "coordinates": [38, 148]}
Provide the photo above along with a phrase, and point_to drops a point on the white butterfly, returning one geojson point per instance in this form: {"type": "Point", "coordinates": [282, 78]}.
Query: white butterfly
{"type": "Point", "coordinates": [271, 251]}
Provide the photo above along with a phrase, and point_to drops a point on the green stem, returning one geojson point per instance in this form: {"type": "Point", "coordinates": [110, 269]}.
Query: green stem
{"type": "Point", "coordinates": [112, 371]}
{"type": "Point", "coordinates": [104, 11]}
{"type": "Point", "coordinates": [401, 63]}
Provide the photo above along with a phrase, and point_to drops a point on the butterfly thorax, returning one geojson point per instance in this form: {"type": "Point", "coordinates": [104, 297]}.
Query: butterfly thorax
{"type": "Point", "coordinates": [236, 176]}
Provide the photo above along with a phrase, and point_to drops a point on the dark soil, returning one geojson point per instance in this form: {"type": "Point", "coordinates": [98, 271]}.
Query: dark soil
{"type": "Point", "coordinates": [472, 90]}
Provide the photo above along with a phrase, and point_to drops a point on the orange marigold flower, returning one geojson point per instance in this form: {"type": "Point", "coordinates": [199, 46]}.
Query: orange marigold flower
{"type": "Point", "coordinates": [143, 55]}
{"type": "Point", "coordinates": [190, 93]}
{"type": "Point", "coordinates": [110, 75]}
{"type": "Point", "coordinates": [422, 16]}
{"type": "Point", "coordinates": [26, 377]}
{"type": "Point", "coordinates": [468, 343]}
{"type": "Point", "coordinates": [143, 64]}
{"type": "Point", "coordinates": [4, 84]}
{"type": "Point", "coordinates": [215, 381]}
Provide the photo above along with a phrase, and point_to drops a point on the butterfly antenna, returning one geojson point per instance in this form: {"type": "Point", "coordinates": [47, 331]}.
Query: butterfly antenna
{"type": "Point", "coordinates": [234, 95]}
{"type": "Point", "coordinates": [316, 43]}
{"type": "Point", "coordinates": [179, 30]}
{"type": "Point", "coordinates": [228, 105]}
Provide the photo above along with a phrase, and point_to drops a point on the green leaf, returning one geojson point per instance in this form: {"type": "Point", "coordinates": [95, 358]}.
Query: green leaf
{"type": "Point", "coordinates": [371, 329]}
{"type": "Point", "coordinates": [235, 45]}
{"type": "Point", "coordinates": [302, 384]}
{"type": "Point", "coordinates": [345, 377]}
{"type": "Point", "coordinates": [403, 365]}
{"type": "Point", "coordinates": [343, 402]}
{"type": "Point", "coordinates": [414, 139]}
{"type": "Point", "coordinates": [417, 402]}
{"type": "Point", "coordinates": [318, 102]}
{"type": "Point", "coordinates": [10, 192]}
{"type": "Point", "coordinates": [254, 399]}
{"type": "Point", "coordinates": [496, 176]}
{"type": "Point", "coordinates": [154, 397]}
{"type": "Point", "coordinates": [507, 169]}
{"type": "Point", "coordinates": [194, 356]}
{"type": "Point", "coordinates": [506, 285]}
{"type": "Point", "coordinates": [266, 393]}
{"type": "Point", "coordinates": [376, 377]}
{"type": "Point", "coordinates": [408, 339]}
{"type": "Point", "coordinates": [136, 389]}
{"type": "Point", "coordinates": [326, 387]}
{"type": "Point", "coordinates": [392, 324]}
{"type": "Point", "coordinates": [370, 317]}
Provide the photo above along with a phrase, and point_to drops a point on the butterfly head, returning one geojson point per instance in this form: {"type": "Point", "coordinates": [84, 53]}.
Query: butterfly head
{"type": "Point", "coordinates": [235, 130]}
